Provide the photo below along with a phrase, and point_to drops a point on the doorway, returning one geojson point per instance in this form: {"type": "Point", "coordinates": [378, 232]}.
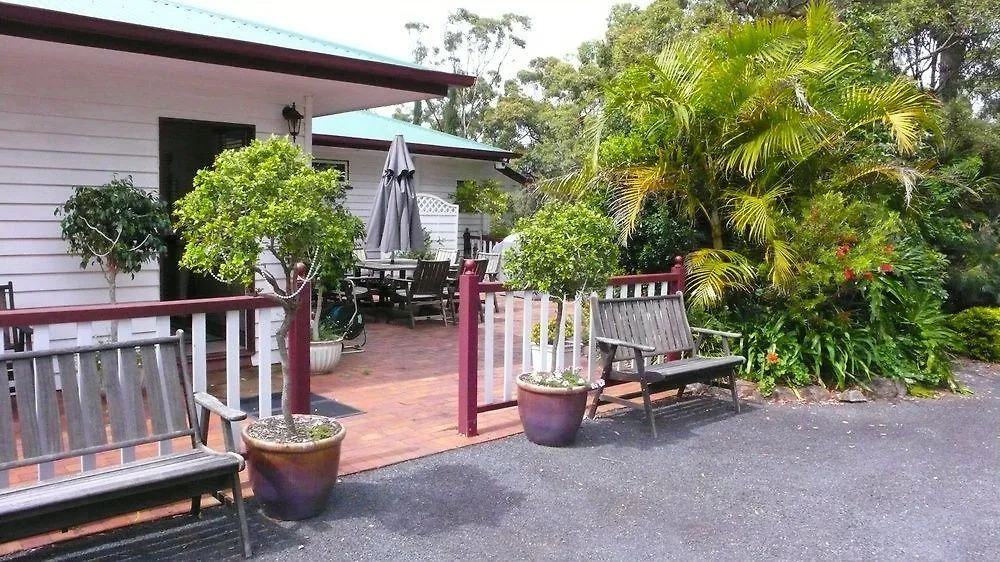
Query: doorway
{"type": "Point", "coordinates": [186, 147]}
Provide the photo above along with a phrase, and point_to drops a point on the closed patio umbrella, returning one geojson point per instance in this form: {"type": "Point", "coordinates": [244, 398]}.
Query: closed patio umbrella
{"type": "Point", "coordinates": [395, 219]}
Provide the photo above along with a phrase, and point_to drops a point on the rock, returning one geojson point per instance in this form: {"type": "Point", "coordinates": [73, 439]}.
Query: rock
{"type": "Point", "coordinates": [852, 395]}
{"type": "Point", "coordinates": [783, 394]}
{"type": "Point", "coordinates": [815, 393]}
{"type": "Point", "coordinates": [886, 389]}
{"type": "Point", "coordinates": [747, 390]}
{"type": "Point", "coordinates": [696, 389]}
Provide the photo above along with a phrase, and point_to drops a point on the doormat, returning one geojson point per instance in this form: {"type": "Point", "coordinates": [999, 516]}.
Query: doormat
{"type": "Point", "coordinates": [320, 405]}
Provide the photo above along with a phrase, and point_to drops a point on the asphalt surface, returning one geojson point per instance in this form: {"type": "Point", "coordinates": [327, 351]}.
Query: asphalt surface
{"type": "Point", "coordinates": [916, 480]}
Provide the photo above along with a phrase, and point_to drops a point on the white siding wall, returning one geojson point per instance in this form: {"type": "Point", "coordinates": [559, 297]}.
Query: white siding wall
{"type": "Point", "coordinates": [63, 126]}
{"type": "Point", "coordinates": [436, 175]}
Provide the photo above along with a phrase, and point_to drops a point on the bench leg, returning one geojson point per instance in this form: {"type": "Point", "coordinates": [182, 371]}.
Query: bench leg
{"type": "Point", "coordinates": [680, 391]}
{"type": "Point", "coordinates": [647, 403]}
{"type": "Point", "coordinates": [732, 386]}
{"type": "Point", "coordinates": [597, 402]}
{"type": "Point", "coordinates": [196, 506]}
{"type": "Point", "coordinates": [241, 515]}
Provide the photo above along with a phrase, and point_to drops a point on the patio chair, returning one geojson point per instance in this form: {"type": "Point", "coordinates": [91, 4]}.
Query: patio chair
{"type": "Point", "coordinates": [426, 287]}
{"type": "Point", "coordinates": [450, 255]}
{"type": "Point", "coordinates": [492, 271]}
{"type": "Point", "coordinates": [14, 338]}
{"type": "Point", "coordinates": [453, 293]}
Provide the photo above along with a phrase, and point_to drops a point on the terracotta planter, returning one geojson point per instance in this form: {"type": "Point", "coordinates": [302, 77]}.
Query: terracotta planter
{"type": "Point", "coordinates": [324, 355]}
{"type": "Point", "coordinates": [292, 481]}
{"type": "Point", "coordinates": [551, 416]}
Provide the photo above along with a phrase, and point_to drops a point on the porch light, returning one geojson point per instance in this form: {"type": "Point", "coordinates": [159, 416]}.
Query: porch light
{"type": "Point", "coordinates": [294, 119]}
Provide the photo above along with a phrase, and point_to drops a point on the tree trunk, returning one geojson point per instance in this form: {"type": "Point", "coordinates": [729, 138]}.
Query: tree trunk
{"type": "Point", "coordinates": [715, 222]}
{"type": "Point", "coordinates": [111, 275]}
{"type": "Point", "coordinates": [316, 313]}
{"type": "Point", "coordinates": [281, 336]}
{"type": "Point", "coordinates": [950, 60]}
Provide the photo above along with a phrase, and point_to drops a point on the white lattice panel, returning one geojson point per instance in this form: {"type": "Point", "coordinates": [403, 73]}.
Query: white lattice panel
{"type": "Point", "coordinates": [440, 219]}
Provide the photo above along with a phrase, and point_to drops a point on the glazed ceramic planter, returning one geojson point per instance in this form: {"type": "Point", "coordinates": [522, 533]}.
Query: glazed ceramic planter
{"type": "Point", "coordinates": [551, 416]}
{"type": "Point", "coordinates": [293, 481]}
{"type": "Point", "coordinates": [324, 355]}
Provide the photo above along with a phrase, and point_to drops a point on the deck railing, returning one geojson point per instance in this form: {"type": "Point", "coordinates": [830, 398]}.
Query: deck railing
{"type": "Point", "coordinates": [136, 320]}
{"type": "Point", "coordinates": [493, 353]}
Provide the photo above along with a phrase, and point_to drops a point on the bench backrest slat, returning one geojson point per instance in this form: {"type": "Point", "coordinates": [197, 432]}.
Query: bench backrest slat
{"type": "Point", "coordinates": [71, 401]}
{"type": "Point", "coordinates": [94, 430]}
{"type": "Point", "coordinates": [174, 395]}
{"type": "Point", "coordinates": [24, 382]}
{"type": "Point", "coordinates": [657, 321]}
{"type": "Point", "coordinates": [49, 432]}
{"type": "Point", "coordinates": [143, 399]}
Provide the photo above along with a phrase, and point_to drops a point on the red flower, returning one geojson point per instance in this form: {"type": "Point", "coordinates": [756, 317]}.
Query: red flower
{"type": "Point", "coordinates": [890, 249]}
{"type": "Point", "coordinates": [842, 251]}
{"type": "Point", "coordinates": [773, 358]}
{"type": "Point", "coordinates": [885, 267]}
{"type": "Point", "coordinates": [848, 274]}
{"type": "Point", "coordinates": [868, 275]}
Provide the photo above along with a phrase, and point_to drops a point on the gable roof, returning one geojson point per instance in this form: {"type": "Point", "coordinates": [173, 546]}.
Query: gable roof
{"type": "Point", "coordinates": [171, 29]}
{"type": "Point", "coordinates": [370, 131]}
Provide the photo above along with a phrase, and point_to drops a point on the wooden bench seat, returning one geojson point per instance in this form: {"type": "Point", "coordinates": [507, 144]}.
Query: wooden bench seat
{"type": "Point", "coordinates": [115, 400]}
{"type": "Point", "coordinates": [649, 340]}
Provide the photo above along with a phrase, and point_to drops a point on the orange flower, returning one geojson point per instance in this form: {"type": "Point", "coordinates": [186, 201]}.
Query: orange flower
{"type": "Point", "coordinates": [848, 274]}
{"type": "Point", "coordinates": [773, 358]}
{"type": "Point", "coordinates": [890, 249]}
{"type": "Point", "coordinates": [885, 267]}
{"type": "Point", "coordinates": [868, 275]}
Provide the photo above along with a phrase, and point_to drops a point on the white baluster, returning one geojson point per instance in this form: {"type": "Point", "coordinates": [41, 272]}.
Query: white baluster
{"type": "Point", "coordinates": [199, 353]}
{"type": "Point", "coordinates": [528, 303]}
{"type": "Point", "coordinates": [488, 347]}
{"type": "Point", "coordinates": [85, 337]}
{"type": "Point", "coordinates": [508, 345]}
{"type": "Point", "coordinates": [163, 330]}
{"type": "Point", "coordinates": [577, 324]}
{"type": "Point", "coordinates": [609, 292]}
{"type": "Point", "coordinates": [233, 358]}
{"type": "Point", "coordinates": [543, 336]}
{"type": "Point", "coordinates": [264, 366]}
{"type": "Point", "coordinates": [40, 340]}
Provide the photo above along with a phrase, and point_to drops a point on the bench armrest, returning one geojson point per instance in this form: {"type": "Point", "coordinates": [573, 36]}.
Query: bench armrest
{"type": "Point", "coordinates": [622, 343]}
{"type": "Point", "coordinates": [716, 333]}
{"type": "Point", "coordinates": [212, 404]}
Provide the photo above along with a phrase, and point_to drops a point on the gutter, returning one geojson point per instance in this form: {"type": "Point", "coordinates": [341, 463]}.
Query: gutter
{"type": "Point", "coordinates": [73, 29]}
{"type": "Point", "coordinates": [340, 141]}
{"type": "Point", "coordinates": [511, 173]}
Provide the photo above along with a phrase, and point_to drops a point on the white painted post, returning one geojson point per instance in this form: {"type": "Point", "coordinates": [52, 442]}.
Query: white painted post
{"type": "Point", "coordinates": [543, 335]}
{"type": "Point", "coordinates": [233, 358]}
{"type": "Point", "coordinates": [577, 324]}
{"type": "Point", "coordinates": [526, 362]}
{"type": "Point", "coordinates": [488, 348]}
{"type": "Point", "coordinates": [508, 345]}
{"type": "Point", "coordinates": [264, 366]}
{"type": "Point", "coordinates": [199, 353]}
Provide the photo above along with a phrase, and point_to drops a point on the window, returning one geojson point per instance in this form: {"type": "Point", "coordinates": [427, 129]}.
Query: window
{"type": "Point", "coordinates": [342, 166]}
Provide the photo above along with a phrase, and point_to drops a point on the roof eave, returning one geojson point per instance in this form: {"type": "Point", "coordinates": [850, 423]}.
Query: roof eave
{"type": "Point", "coordinates": [339, 141]}
{"type": "Point", "coordinates": [62, 27]}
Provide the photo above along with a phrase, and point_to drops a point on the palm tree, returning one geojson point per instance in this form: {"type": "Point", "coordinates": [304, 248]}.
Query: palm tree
{"type": "Point", "coordinates": [734, 125]}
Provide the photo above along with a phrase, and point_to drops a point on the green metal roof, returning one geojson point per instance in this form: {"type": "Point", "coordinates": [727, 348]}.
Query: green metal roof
{"type": "Point", "coordinates": [165, 14]}
{"type": "Point", "coordinates": [368, 125]}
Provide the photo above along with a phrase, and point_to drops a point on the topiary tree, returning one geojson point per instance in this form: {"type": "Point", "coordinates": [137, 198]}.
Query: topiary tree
{"type": "Point", "coordinates": [264, 199]}
{"type": "Point", "coordinates": [564, 250]}
{"type": "Point", "coordinates": [117, 226]}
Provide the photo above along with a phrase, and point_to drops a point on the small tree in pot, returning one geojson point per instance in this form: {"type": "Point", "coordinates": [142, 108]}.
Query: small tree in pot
{"type": "Point", "coordinates": [265, 200]}
{"type": "Point", "coordinates": [118, 226]}
{"type": "Point", "coordinates": [564, 250]}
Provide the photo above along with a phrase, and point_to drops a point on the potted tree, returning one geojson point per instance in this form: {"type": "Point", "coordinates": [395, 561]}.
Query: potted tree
{"type": "Point", "coordinates": [117, 226]}
{"type": "Point", "coordinates": [327, 342]}
{"type": "Point", "coordinates": [564, 250]}
{"type": "Point", "coordinates": [259, 205]}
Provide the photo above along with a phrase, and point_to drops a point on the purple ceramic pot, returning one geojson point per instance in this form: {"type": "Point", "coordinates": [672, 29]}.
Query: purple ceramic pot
{"type": "Point", "coordinates": [551, 416]}
{"type": "Point", "coordinates": [292, 481]}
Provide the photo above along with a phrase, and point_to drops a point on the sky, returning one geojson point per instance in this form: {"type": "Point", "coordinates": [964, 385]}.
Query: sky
{"type": "Point", "coordinates": [558, 26]}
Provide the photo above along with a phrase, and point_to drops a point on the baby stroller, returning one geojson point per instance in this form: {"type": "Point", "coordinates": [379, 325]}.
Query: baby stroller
{"type": "Point", "coordinates": [344, 316]}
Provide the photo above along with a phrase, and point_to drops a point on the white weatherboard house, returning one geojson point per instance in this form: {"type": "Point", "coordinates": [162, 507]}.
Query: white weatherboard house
{"type": "Point", "coordinates": [154, 89]}
{"type": "Point", "coordinates": [356, 143]}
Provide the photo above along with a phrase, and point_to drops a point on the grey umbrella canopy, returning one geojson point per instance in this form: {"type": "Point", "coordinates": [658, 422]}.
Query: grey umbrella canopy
{"type": "Point", "coordinates": [395, 219]}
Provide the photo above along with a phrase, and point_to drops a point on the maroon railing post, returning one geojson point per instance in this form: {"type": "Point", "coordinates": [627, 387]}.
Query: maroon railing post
{"type": "Point", "coordinates": [468, 349]}
{"type": "Point", "coordinates": [299, 335]}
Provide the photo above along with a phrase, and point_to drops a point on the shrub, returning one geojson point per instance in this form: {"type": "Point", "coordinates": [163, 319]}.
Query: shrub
{"type": "Point", "coordinates": [659, 236]}
{"type": "Point", "coordinates": [978, 330]}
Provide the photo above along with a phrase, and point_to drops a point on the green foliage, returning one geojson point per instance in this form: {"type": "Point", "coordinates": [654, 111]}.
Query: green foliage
{"type": "Point", "coordinates": [426, 254]}
{"type": "Point", "coordinates": [320, 432]}
{"type": "Point", "coordinates": [266, 197]}
{"type": "Point", "coordinates": [660, 235]}
{"type": "Point", "coordinates": [566, 379]}
{"type": "Point", "coordinates": [564, 250]}
{"type": "Point", "coordinates": [485, 197]}
{"type": "Point", "coordinates": [117, 225]}
{"type": "Point", "coordinates": [978, 331]}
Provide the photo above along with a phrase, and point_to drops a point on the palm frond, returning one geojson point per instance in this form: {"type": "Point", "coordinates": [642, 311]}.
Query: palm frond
{"type": "Point", "coordinates": [755, 214]}
{"type": "Point", "coordinates": [713, 272]}
{"type": "Point", "coordinates": [782, 259]}
{"type": "Point", "coordinates": [907, 176]}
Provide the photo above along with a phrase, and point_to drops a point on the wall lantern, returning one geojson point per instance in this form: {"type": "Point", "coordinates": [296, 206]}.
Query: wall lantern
{"type": "Point", "coordinates": [294, 119]}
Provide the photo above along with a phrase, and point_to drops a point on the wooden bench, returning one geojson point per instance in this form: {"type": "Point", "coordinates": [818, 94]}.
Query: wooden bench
{"type": "Point", "coordinates": [632, 331]}
{"type": "Point", "coordinates": [157, 443]}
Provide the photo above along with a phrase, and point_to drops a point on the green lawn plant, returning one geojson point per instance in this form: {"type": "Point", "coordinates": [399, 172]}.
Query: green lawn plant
{"type": "Point", "coordinates": [565, 250]}
{"type": "Point", "coordinates": [118, 226]}
{"type": "Point", "coordinates": [265, 204]}
{"type": "Point", "coordinates": [978, 329]}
